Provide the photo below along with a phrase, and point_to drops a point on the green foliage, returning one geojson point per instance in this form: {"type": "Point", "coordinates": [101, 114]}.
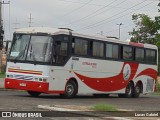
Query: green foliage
{"type": "Point", "coordinates": [157, 37]}
{"type": "Point", "coordinates": [2, 75]}
{"type": "Point", "coordinates": [104, 107]}
{"type": "Point", "coordinates": [146, 29]}
{"type": "Point", "coordinates": [158, 87]}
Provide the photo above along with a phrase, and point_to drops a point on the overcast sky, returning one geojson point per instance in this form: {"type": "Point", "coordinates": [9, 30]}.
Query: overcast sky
{"type": "Point", "coordinates": [84, 16]}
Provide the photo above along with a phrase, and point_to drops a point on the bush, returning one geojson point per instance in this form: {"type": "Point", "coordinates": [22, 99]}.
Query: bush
{"type": "Point", "coordinates": [158, 87]}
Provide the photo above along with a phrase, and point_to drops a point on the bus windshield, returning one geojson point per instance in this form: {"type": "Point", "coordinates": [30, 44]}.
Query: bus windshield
{"type": "Point", "coordinates": [31, 48]}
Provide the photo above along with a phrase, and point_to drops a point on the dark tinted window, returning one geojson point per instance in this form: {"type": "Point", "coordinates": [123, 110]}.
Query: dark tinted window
{"type": "Point", "coordinates": [111, 51]}
{"type": "Point", "coordinates": [80, 46]}
{"type": "Point", "coordinates": [98, 49]}
{"type": "Point", "coordinates": [127, 53]}
{"type": "Point", "coordinates": [139, 54]}
{"type": "Point", "coordinates": [150, 56]}
{"type": "Point", "coordinates": [61, 51]}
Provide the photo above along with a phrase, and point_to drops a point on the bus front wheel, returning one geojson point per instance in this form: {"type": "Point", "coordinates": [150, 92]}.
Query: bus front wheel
{"type": "Point", "coordinates": [34, 94]}
{"type": "Point", "coordinates": [70, 90]}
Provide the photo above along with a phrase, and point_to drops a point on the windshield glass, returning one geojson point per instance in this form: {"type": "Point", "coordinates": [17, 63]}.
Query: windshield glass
{"type": "Point", "coordinates": [39, 49]}
{"type": "Point", "coordinates": [31, 48]}
{"type": "Point", "coordinates": [19, 47]}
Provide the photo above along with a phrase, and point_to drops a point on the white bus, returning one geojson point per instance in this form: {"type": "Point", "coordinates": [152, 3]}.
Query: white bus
{"type": "Point", "coordinates": [60, 61]}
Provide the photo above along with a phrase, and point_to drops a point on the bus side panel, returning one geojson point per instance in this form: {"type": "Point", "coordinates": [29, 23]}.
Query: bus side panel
{"type": "Point", "coordinates": [102, 76]}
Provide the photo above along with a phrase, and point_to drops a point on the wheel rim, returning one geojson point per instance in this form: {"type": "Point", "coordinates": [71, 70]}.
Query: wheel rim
{"type": "Point", "coordinates": [137, 89]}
{"type": "Point", "coordinates": [69, 89]}
{"type": "Point", "coordinates": [129, 90]}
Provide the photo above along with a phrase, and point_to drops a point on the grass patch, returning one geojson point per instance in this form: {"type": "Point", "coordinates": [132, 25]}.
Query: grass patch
{"type": "Point", "coordinates": [104, 107]}
{"type": "Point", "coordinates": [2, 74]}
{"type": "Point", "coordinates": [158, 87]}
{"type": "Point", "coordinates": [155, 93]}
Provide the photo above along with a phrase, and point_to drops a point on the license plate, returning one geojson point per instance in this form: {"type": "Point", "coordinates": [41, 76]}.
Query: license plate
{"type": "Point", "coordinates": [22, 84]}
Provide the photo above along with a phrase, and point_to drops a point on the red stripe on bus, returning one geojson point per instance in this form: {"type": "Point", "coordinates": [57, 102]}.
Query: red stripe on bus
{"type": "Point", "coordinates": [111, 83]}
{"type": "Point", "coordinates": [149, 72]}
{"type": "Point", "coordinates": [25, 71]}
{"type": "Point", "coordinates": [136, 44]}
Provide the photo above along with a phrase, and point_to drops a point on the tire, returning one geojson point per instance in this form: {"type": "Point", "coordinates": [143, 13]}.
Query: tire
{"type": "Point", "coordinates": [137, 90]}
{"type": "Point", "coordinates": [71, 90]}
{"type": "Point", "coordinates": [34, 94]}
{"type": "Point", "coordinates": [128, 92]}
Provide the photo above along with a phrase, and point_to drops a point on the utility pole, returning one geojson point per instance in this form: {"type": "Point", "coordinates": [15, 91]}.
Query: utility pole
{"type": "Point", "coordinates": [30, 20]}
{"type": "Point", "coordinates": [120, 30]}
{"type": "Point", "coordinates": [2, 68]}
{"type": "Point", "coordinates": [1, 24]}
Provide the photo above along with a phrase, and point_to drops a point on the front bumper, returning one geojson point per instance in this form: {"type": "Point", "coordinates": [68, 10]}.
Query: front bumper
{"type": "Point", "coordinates": [26, 85]}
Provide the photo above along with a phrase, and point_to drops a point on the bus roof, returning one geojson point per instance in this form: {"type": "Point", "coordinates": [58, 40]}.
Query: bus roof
{"type": "Point", "coordinates": [55, 31]}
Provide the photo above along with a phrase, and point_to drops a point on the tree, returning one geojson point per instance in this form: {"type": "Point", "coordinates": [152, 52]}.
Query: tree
{"type": "Point", "coordinates": [146, 29]}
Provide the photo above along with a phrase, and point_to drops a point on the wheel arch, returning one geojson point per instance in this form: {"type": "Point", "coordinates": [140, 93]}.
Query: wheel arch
{"type": "Point", "coordinates": [73, 79]}
{"type": "Point", "coordinates": [131, 81]}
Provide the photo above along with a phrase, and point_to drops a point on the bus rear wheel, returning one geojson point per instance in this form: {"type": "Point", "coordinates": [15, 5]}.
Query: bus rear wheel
{"type": "Point", "coordinates": [128, 92]}
{"type": "Point", "coordinates": [137, 90]}
{"type": "Point", "coordinates": [34, 94]}
{"type": "Point", "coordinates": [71, 90]}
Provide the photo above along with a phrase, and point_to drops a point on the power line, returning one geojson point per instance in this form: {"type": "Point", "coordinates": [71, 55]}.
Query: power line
{"type": "Point", "coordinates": [104, 21]}
{"type": "Point", "coordinates": [121, 28]}
{"type": "Point", "coordinates": [100, 22]}
{"type": "Point", "coordinates": [74, 10]}
{"type": "Point", "coordinates": [92, 4]}
{"type": "Point", "coordinates": [90, 15]}
{"type": "Point", "coordinates": [80, 2]}
{"type": "Point", "coordinates": [135, 9]}
{"type": "Point", "coordinates": [127, 25]}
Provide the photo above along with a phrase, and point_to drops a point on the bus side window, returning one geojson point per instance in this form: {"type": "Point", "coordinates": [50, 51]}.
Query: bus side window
{"type": "Point", "coordinates": [98, 49]}
{"type": "Point", "coordinates": [127, 53]}
{"type": "Point", "coordinates": [90, 48]}
{"type": "Point", "coordinates": [80, 47]}
{"type": "Point", "coordinates": [139, 54]}
{"type": "Point", "coordinates": [73, 45]}
{"type": "Point", "coordinates": [112, 51]}
{"type": "Point", "coordinates": [61, 51]}
{"type": "Point", "coordinates": [151, 56]}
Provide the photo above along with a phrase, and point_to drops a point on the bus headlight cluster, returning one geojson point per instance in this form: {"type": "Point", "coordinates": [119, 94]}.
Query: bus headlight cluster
{"type": "Point", "coordinates": [40, 79]}
{"type": "Point", "coordinates": [22, 77]}
{"type": "Point", "coordinates": [9, 76]}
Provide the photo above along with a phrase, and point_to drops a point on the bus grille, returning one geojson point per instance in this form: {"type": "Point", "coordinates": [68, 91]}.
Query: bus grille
{"type": "Point", "coordinates": [150, 83]}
